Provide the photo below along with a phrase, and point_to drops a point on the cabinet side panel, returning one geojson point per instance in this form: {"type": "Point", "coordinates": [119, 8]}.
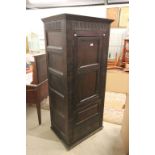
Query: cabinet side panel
{"type": "Point", "coordinates": [55, 35]}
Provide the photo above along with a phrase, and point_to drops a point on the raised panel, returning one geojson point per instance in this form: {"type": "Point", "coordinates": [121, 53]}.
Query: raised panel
{"type": "Point", "coordinates": [88, 50]}
{"type": "Point", "coordinates": [57, 103]}
{"type": "Point", "coordinates": [57, 83]}
{"type": "Point", "coordinates": [87, 85]}
{"type": "Point", "coordinates": [85, 114]}
{"type": "Point", "coordinates": [85, 128]}
{"type": "Point", "coordinates": [54, 38]}
{"type": "Point", "coordinates": [56, 61]}
{"type": "Point", "coordinates": [59, 121]}
{"type": "Point", "coordinates": [88, 101]}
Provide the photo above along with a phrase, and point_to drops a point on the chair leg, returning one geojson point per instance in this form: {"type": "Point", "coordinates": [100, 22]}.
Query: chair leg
{"type": "Point", "coordinates": [38, 112]}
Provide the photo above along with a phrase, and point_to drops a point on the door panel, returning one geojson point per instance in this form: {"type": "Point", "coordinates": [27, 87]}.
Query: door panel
{"type": "Point", "coordinates": [88, 53]}
{"type": "Point", "coordinates": [87, 60]}
{"type": "Point", "coordinates": [87, 67]}
{"type": "Point", "coordinates": [87, 85]}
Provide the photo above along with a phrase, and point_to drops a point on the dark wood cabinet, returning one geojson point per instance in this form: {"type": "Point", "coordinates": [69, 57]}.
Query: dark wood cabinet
{"type": "Point", "coordinates": [77, 48]}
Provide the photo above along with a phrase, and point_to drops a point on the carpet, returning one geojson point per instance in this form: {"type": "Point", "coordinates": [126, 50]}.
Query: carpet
{"type": "Point", "coordinates": [45, 104]}
{"type": "Point", "coordinates": [114, 107]}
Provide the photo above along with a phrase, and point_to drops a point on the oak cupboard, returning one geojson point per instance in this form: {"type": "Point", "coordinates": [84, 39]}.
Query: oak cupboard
{"type": "Point", "coordinates": [76, 48]}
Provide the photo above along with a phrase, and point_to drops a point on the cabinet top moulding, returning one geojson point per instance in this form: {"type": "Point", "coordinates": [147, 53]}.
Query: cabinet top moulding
{"type": "Point", "coordinates": [77, 17]}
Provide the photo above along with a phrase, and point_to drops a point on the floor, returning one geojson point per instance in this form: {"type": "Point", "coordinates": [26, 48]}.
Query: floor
{"type": "Point", "coordinates": [41, 140]}
{"type": "Point", "coordinates": [114, 105]}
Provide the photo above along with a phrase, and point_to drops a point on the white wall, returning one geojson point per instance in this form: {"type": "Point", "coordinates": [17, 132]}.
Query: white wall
{"type": "Point", "coordinates": [34, 16]}
{"type": "Point", "coordinates": [34, 23]}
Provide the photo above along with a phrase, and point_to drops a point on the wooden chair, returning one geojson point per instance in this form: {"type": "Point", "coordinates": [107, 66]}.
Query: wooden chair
{"type": "Point", "coordinates": [38, 89]}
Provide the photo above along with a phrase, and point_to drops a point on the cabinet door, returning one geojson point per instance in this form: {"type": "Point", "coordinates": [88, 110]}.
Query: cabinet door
{"type": "Point", "coordinates": [87, 93]}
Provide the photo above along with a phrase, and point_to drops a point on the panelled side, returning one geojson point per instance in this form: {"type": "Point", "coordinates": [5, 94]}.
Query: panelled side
{"type": "Point", "coordinates": [55, 35]}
